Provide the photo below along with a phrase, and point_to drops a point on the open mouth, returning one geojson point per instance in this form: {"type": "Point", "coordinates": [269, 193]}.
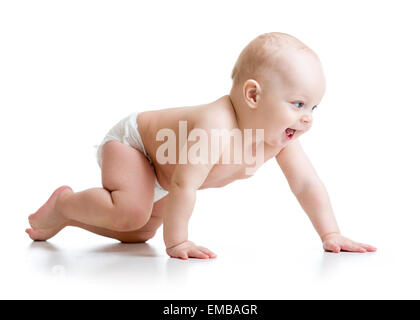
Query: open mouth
{"type": "Point", "coordinates": [290, 133]}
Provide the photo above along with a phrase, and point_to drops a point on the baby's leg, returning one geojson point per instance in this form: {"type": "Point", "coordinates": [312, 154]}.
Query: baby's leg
{"type": "Point", "coordinates": [123, 204]}
{"type": "Point", "coordinates": [142, 235]}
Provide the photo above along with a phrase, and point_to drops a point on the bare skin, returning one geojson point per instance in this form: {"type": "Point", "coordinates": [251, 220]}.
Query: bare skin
{"type": "Point", "coordinates": [80, 209]}
{"type": "Point", "coordinates": [123, 209]}
{"type": "Point", "coordinates": [137, 236]}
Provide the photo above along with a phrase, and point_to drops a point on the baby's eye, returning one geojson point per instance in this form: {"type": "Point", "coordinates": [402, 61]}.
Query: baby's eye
{"type": "Point", "coordinates": [314, 107]}
{"type": "Point", "coordinates": [298, 104]}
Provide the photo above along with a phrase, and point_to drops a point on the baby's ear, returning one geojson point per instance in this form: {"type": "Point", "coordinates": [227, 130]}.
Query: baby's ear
{"type": "Point", "coordinates": [252, 92]}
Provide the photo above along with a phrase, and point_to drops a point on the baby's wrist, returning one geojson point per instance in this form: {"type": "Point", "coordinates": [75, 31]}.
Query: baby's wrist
{"type": "Point", "coordinates": [170, 246]}
{"type": "Point", "coordinates": [325, 235]}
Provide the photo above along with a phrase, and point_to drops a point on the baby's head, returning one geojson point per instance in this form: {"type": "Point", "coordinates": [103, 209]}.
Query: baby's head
{"type": "Point", "coordinates": [277, 82]}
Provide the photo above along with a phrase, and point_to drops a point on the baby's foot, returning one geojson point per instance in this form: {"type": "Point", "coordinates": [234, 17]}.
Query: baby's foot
{"type": "Point", "coordinates": [47, 217]}
{"type": "Point", "coordinates": [43, 234]}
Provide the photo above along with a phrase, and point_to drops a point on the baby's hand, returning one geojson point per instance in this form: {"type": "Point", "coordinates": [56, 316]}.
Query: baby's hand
{"type": "Point", "coordinates": [188, 249]}
{"type": "Point", "coordinates": [335, 242]}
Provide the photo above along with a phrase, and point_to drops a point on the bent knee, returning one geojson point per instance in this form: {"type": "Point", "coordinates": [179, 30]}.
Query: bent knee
{"type": "Point", "coordinates": [130, 219]}
{"type": "Point", "coordinates": [138, 237]}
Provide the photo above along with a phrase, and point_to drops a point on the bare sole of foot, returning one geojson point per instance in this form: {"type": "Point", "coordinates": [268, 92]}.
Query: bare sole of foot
{"type": "Point", "coordinates": [46, 217]}
{"type": "Point", "coordinates": [43, 234]}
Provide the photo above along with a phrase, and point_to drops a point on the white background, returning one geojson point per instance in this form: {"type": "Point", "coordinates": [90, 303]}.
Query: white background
{"type": "Point", "coordinates": [69, 70]}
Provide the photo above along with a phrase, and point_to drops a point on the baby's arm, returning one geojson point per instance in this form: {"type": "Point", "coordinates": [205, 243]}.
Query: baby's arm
{"type": "Point", "coordinates": [313, 197]}
{"type": "Point", "coordinates": [185, 181]}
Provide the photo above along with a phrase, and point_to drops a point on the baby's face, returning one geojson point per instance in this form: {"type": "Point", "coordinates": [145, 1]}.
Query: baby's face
{"type": "Point", "coordinates": [289, 100]}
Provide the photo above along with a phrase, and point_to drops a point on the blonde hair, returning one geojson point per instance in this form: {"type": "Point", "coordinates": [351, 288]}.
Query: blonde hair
{"type": "Point", "coordinates": [263, 53]}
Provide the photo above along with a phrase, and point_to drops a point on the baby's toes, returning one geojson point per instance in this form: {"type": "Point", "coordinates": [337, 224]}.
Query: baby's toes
{"type": "Point", "coordinates": [36, 235]}
{"type": "Point", "coordinates": [42, 234]}
{"type": "Point", "coordinates": [31, 219]}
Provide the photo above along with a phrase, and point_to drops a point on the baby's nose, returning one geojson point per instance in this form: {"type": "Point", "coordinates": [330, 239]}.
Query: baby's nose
{"type": "Point", "coordinates": [307, 119]}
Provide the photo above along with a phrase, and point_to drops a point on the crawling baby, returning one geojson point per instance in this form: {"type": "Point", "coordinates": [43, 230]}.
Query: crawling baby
{"type": "Point", "coordinates": [154, 162]}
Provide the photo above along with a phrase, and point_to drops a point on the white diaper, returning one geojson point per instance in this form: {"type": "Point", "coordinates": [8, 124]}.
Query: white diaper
{"type": "Point", "coordinates": [126, 132]}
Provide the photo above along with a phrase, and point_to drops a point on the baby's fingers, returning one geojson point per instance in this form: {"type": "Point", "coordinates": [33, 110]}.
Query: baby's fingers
{"type": "Point", "coordinates": [211, 254]}
{"type": "Point", "coordinates": [180, 255]}
{"type": "Point", "coordinates": [332, 246]}
{"type": "Point", "coordinates": [369, 248]}
{"type": "Point", "coordinates": [196, 253]}
{"type": "Point", "coordinates": [353, 247]}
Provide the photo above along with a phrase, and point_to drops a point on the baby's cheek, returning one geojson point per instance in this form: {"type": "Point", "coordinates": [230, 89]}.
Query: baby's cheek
{"type": "Point", "coordinates": [290, 117]}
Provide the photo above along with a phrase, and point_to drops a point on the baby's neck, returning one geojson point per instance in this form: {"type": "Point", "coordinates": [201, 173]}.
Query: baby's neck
{"type": "Point", "coordinates": [243, 121]}
{"type": "Point", "coordinates": [239, 118]}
